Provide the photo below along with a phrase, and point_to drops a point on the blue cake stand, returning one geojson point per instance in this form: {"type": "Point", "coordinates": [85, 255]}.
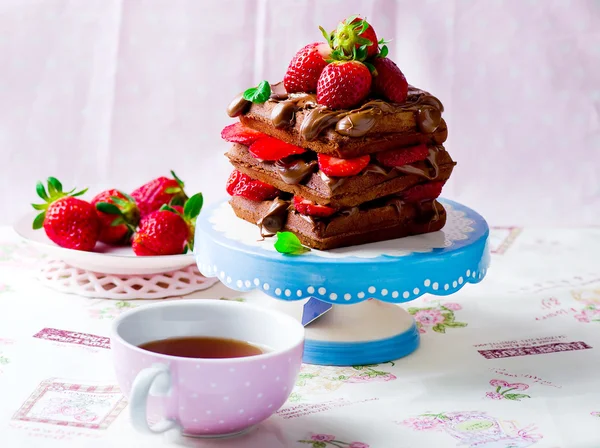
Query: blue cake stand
{"type": "Point", "coordinates": [355, 330]}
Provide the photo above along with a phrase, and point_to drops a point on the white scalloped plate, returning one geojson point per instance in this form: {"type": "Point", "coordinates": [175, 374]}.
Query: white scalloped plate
{"type": "Point", "coordinates": [104, 259]}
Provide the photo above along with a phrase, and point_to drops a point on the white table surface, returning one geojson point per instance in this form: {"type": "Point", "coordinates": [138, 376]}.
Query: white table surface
{"type": "Point", "coordinates": [543, 290]}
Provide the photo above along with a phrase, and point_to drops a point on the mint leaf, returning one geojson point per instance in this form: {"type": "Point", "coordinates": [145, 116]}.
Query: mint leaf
{"type": "Point", "coordinates": [258, 94]}
{"type": "Point", "coordinates": [288, 243]}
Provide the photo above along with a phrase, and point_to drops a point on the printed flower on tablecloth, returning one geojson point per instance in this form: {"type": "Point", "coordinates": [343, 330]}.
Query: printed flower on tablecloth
{"type": "Point", "coordinates": [437, 317]}
{"type": "Point", "coordinates": [423, 423]}
{"type": "Point", "coordinates": [112, 311]}
{"type": "Point", "coordinates": [591, 311]}
{"type": "Point", "coordinates": [500, 394]}
{"type": "Point", "coordinates": [318, 380]}
{"type": "Point", "coordinates": [328, 440]}
{"type": "Point", "coordinates": [595, 413]}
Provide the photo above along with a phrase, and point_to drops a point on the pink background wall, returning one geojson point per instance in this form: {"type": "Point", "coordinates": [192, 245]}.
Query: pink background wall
{"type": "Point", "coordinates": [114, 92]}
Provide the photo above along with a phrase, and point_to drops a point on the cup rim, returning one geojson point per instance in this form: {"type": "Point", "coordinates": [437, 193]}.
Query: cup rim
{"type": "Point", "coordinates": [213, 302]}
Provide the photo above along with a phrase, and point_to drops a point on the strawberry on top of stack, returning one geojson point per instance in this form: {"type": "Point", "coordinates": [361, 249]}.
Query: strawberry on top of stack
{"type": "Point", "coordinates": [343, 151]}
{"type": "Point", "coordinates": [157, 218]}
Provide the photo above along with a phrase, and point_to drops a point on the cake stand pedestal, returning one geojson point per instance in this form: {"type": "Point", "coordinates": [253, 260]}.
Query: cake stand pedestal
{"type": "Point", "coordinates": [363, 283]}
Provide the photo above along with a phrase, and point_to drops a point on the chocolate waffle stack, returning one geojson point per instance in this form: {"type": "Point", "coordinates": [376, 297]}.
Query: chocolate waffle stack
{"type": "Point", "coordinates": [336, 176]}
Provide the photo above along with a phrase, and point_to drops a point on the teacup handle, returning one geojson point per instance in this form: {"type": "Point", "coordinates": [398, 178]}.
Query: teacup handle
{"type": "Point", "coordinates": [156, 381]}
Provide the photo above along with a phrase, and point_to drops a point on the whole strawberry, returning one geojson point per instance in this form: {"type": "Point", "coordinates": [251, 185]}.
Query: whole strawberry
{"type": "Point", "coordinates": [153, 195]}
{"type": "Point", "coordinates": [388, 81]}
{"type": "Point", "coordinates": [118, 215]}
{"type": "Point", "coordinates": [68, 221]}
{"type": "Point", "coordinates": [305, 68]}
{"type": "Point", "coordinates": [354, 37]}
{"type": "Point", "coordinates": [343, 84]}
{"type": "Point", "coordinates": [168, 231]}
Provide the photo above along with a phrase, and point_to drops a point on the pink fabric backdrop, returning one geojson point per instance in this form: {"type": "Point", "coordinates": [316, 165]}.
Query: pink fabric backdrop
{"type": "Point", "coordinates": [114, 92]}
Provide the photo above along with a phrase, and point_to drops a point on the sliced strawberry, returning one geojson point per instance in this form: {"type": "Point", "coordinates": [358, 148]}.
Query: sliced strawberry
{"type": "Point", "coordinates": [240, 184]}
{"type": "Point", "coordinates": [423, 192]}
{"type": "Point", "coordinates": [333, 166]}
{"type": "Point", "coordinates": [402, 156]}
{"type": "Point", "coordinates": [238, 133]}
{"type": "Point", "coordinates": [309, 208]}
{"type": "Point", "coordinates": [269, 148]}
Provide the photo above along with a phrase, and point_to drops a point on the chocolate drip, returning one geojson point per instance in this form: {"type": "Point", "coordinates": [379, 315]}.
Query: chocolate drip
{"type": "Point", "coordinates": [284, 112]}
{"type": "Point", "coordinates": [238, 106]}
{"type": "Point", "coordinates": [358, 122]}
{"type": "Point", "coordinates": [294, 170]}
{"type": "Point", "coordinates": [275, 218]}
{"type": "Point", "coordinates": [430, 173]}
{"type": "Point", "coordinates": [332, 182]}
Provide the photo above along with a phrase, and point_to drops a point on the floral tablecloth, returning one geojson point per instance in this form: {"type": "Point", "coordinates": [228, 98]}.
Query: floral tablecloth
{"type": "Point", "coordinates": [511, 362]}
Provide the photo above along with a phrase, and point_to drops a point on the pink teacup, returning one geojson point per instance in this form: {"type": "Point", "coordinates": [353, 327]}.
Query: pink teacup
{"type": "Point", "coordinates": [205, 397]}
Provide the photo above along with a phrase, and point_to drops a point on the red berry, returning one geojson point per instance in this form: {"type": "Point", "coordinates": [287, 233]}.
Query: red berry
{"type": "Point", "coordinates": [240, 184]}
{"type": "Point", "coordinates": [305, 68]}
{"type": "Point", "coordinates": [72, 223]}
{"type": "Point", "coordinates": [269, 148]}
{"type": "Point", "coordinates": [369, 34]}
{"type": "Point", "coordinates": [162, 232]}
{"type": "Point", "coordinates": [343, 85]}
{"type": "Point", "coordinates": [238, 133]}
{"type": "Point", "coordinates": [402, 156]}
{"type": "Point", "coordinates": [423, 192]}
{"type": "Point", "coordinates": [306, 207]}
{"type": "Point", "coordinates": [389, 82]}
{"type": "Point", "coordinates": [351, 36]}
{"type": "Point", "coordinates": [154, 194]}
{"type": "Point", "coordinates": [68, 221]}
{"type": "Point", "coordinates": [335, 167]}
{"type": "Point", "coordinates": [128, 216]}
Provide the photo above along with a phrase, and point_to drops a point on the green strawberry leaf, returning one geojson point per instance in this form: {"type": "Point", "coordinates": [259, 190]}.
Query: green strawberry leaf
{"type": "Point", "coordinates": [118, 221]}
{"type": "Point", "coordinates": [363, 41]}
{"type": "Point", "coordinates": [40, 206]}
{"type": "Point", "coordinates": [118, 201]}
{"type": "Point", "coordinates": [326, 35]}
{"type": "Point", "coordinates": [288, 243]}
{"type": "Point", "coordinates": [129, 198]}
{"type": "Point", "coordinates": [258, 94]}
{"type": "Point", "coordinates": [108, 208]}
{"type": "Point", "coordinates": [439, 328]}
{"type": "Point", "coordinates": [79, 193]}
{"type": "Point", "coordinates": [179, 181]}
{"type": "Point", "coordinates": [192, 207]}
{"type": "Point", "coordinates": [516, 397]}
{"type": "Point", "coordinates": [455, 324]}
{"type": "Point", "coordinates": [172, 190]}
{"type": "Point", "coordinates": [38, 222]}
{"type": "Point", "coordinates": [54, 184]}
{"type": "Point", "coordinates": [41, 191]}
{"type": "Point", "coordinates": [371, 68]}
{"type": "Point", "coordinates": [167, 207]}
{"type": "Point", "coordinates": [178, 200]}
{"type": "Point", "coordinates": [383, 52]}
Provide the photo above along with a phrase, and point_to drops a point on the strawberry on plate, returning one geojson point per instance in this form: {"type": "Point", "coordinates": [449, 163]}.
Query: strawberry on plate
{"type": "Point", "coordinates": [270, 148]}
{"type": "Point", "coordinates": [169, 230]}
{"type": "Point", "coordinates": [68, 221]}
{"type": "Point", "coordinates": [238, 133]}
{"type": "Point", "coordinates": [388, 81]}
{"type": "Point", "coordinates": [309, 208]}
{"type": "Point", "coordinates": [423, 192]}
{"type": "Point", "coordinates": [336, 167]}
{"type": "Point", "coordinates": [118, 215]}
{"type": "Point", "coordinates": [343, 84]}
{"type": "Point", "coordinates": [402, 156]}
{"type": "Point", "coordinates": [162, 190]}
{"type": "Point", "coordinates": [240, 184]}
{"type": "Point", "coordinates": [305, 68]}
